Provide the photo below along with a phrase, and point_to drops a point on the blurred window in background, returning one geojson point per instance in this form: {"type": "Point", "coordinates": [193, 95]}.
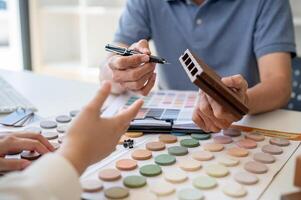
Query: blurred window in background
{"type": "Point", "coordinates": [68, 36]}
{"type": "Point", "coordinates": [11, 56]}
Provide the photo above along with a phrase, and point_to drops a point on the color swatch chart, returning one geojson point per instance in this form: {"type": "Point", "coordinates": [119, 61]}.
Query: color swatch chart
{"type": "Point", "coordinates": [226, 165]}
{"type": "Point", "coordinates": [167, 105]}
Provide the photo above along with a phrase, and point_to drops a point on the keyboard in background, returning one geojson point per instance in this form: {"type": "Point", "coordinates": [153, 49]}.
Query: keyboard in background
{"type": "Point", "coordinates": [11, 99]}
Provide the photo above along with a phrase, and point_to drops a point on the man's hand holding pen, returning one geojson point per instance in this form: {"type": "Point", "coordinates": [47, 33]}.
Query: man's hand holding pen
{"type": "Point", "coordinates": [134, 72]}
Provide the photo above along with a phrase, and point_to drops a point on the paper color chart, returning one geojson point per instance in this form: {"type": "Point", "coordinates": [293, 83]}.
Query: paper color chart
{"type": "Point", "coordinates": [167, 105]}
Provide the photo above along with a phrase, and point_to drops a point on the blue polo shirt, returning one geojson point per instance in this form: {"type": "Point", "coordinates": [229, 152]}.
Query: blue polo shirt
{"type": "Point", "coordinates": [229, 35]}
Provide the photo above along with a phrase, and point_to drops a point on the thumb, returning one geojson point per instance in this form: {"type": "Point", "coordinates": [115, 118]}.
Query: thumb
{"type": "Point", "coordinates": [127, 115]}
{"type": "Point", "coordinates": [237, 82]}
{"type": "Point", "coordinates": [96, 103]}
{"type": "Point", "coordinates": [141, 46]}
{"type": "Point", "coordinates": [13, 164]}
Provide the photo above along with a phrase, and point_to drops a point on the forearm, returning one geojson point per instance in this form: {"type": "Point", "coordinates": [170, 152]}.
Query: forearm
{"type": "Point", "coordinates": [269, 95]}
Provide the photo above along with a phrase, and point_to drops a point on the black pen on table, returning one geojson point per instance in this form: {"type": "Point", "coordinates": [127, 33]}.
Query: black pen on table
{"type": "Point", "coordinates": [128, 52]}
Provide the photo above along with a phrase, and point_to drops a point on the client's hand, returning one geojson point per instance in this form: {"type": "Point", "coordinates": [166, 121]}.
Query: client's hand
{"type": "Point", "coordinates": [92, 137]}
{"type": "Point", "coordinates": [18, 142]}
{"type": "Point", "coordinates": [210, 116]}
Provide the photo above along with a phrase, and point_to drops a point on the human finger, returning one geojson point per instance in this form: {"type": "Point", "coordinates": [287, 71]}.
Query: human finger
{"type": "Point", "coordinates": [149, 85]}
{"type": "Point", "coordinates": [197, 119]}
{"type": "Point", "coordinates": [137, 85]}
{"type": "Point", "coordinates": [102, 94]}
{"type": "Point", "coordinates": [223, 116]}
{"type": "Point", "coordinates": [206, 109]}
{"type": "Point", "coordinates": [141, 46]}
{"type": "Point", "coordinates": [15, 144]}
{"type": "Point", "coordinates": [210, 125]}
{"type": "Point", "coordinates": [13, 164]}
{"type": "Point", "coordinates": [128, 114]}
{"type": "Point", "coordinates": [237, 81]}
{"type": "Point", "coordinates": [36, 136]}
{"type": "Point", "coordinates": [126, 62]}
{"type": "Point", "coordinates": [133, 74]}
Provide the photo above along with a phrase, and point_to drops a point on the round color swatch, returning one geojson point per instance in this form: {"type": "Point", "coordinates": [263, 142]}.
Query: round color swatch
{"type": "Point", "coordinates": [30, 155]}
{"type": "Point", "coordinates": [91, 185]}
{"type": "Point", "coordinates": [145, 195]}
{"type": "Point", "coordinates": [175, 176]}
{"type": "Point", "coordinates": [190, 165]}
{"type": "Point", "coordinates": [74, 113]}
{"type": "Point", "coordinates": [258, 137]}
{"type": "Point", "coordinates": [202, 155]}
{"type": "Point", "coordinates": [48, 124]}
{"type": "Point", "coordinates": [61, 139]}
{"type": "Point", "coordinates": [279, 142]}
{"type": "Point", "coordinates": [272, 149]}
{"type": "Point", "coordinates": [155, 146]}
{"type": "Point", "coordinates": [162, 188]}
{"type": "Point", "coordinates": [232, 132]}
{"type": "Point", "coordinates": [227, 161]}
{"type": "Point", "coordinates": [165, 159]}
{"type": "Point", "coordinates": [213, 147]}
{"type": "Point", "coordinates": [255, 167]}
{"type": "Point", "coordinates": [190, 194]}
{"type": "Point", "coordinates": [237, 152]}
{"type": "Point", "coordinates": [109, 175]}
{"type": "Point", "coordinates": [177, 151]}
{"type": "Point", "coordinates": [216, 170]}
{"type": "Point", "coordinates": [33, 129]}
{"type": "Point", "coordinates": [141, 154]}
{"type": "Point", "coordinates": [116, 193]}
{"type": "Point", "coordinates": [134, 181]}
{"type": "Point", "coordinates": [167, 138]}
{"type": "Point", "coordinates": [190, 143]}
{"type": "Point", "coordinates": [247, 143]}
{"type": "Point", "coordinates": [179, 134]}
{"type": "Point", "coordinates": [201, 136]}
{"type": "Point", "coordinates": [62, 128]}
{"type": "Point", "coordinates": [63, 119]}
{"type": "Point", "coordinates": [222, 139]}
{"type": "Point", "coordinates": [204, 182]}
{"type": "Point", "coordinates": [126, 164]}
{"type": "Point", "coordinates": [234, 190]}
{"type": "Point", "coordinates": [150, 170]}
{"type": "Point", "coordinates": [134, 134]}
{"type": "Point", "coordinates": [245, 178]}
{"type": "Point", "coordinates": [264, 158]}
{"type": "Point", "coordinates": [50, 135]}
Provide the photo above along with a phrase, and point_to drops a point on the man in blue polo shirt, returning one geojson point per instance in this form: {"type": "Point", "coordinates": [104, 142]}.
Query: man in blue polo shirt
{"type": "Point", "coordinates": [250, 43]}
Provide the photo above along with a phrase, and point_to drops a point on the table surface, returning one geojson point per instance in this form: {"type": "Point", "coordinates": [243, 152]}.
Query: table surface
{"type": "Point", "coordinates": [53, 96]}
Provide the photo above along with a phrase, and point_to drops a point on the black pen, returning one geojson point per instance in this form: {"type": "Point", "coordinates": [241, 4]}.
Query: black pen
{"type": "Point", "coordinates": [128, 52]}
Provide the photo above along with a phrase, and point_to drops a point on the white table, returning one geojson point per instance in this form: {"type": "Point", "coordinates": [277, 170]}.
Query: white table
{"type": "Point", "coordinates": [51, 95]}
{"type": "Point", "coordinates": [54, 96]}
